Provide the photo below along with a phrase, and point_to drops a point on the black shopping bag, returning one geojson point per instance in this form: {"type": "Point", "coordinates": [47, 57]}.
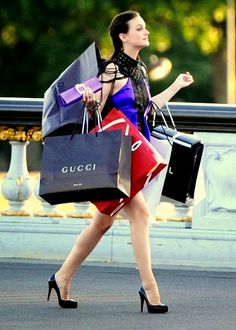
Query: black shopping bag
{"type": "Point", "coordinates": [86, 167]}
{"type": "Point", "coordinates": [183, 167]}
{"type": "Point", "coordinates": [185, 157]}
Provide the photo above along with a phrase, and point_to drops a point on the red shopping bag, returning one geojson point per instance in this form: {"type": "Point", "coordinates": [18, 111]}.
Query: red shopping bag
{"type": "Point", "coordinates": [146, 162]}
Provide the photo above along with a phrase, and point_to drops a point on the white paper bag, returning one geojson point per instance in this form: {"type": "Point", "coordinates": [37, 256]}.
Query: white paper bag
{"type": "Point", "coordinates": [153, 190]}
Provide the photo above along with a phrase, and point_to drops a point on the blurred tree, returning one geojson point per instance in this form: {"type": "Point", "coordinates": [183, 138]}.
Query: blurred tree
{"type": "Point", "coordinates": [192, 35]}
{"type": "Point", "coordinates": [38, 40]}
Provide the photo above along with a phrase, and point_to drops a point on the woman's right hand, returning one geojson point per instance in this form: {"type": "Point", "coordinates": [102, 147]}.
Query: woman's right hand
{"type": "Point", "coordinates": [89, 98]}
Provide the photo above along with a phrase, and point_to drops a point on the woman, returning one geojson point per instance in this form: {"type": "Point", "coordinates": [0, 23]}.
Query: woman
{"type": "Point", "coordinates": [125, 84]}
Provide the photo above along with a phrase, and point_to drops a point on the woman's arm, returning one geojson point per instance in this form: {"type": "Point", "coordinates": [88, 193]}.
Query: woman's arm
{"type": "Point", "coordinates": [183, 80]}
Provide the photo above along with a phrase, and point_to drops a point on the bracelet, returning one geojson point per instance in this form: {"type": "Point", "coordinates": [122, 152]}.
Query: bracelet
{"type": "Point", "coordinates": [94, 107]}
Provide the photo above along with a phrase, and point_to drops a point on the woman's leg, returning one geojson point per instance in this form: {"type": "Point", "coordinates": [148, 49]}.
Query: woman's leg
{"type": "Point", "coordinates": [83, 246]}
{"type": "Point", "coordinates": [138, 215]}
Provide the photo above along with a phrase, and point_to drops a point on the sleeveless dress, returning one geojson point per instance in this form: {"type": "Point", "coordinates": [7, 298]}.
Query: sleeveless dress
{"type": "Point", "coordinates": [124, 100]}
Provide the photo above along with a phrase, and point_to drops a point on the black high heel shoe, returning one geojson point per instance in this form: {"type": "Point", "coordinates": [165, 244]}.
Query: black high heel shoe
{"type": "Point", "coordinates": [151, 308]}
{"type": "Point", "coordinates": [52, 284]}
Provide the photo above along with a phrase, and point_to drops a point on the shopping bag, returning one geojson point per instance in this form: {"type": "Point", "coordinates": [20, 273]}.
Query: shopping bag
{"type": "Point", "coordinates": [146, 161]}
{"type": "Point", "coordinates": [183, 167]}
{"type": "Point", "coordinates": [152, 192]}
{"type": "Point", "coordinates": [86, 167]}
{"type": "Point", "coordinates": [56, 119]}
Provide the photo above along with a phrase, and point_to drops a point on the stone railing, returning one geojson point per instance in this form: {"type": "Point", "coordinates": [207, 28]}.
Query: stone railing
{"type": "Point", "coordinates": [199, 234]}
{"type": "Point", "coordinates": [214, 124]}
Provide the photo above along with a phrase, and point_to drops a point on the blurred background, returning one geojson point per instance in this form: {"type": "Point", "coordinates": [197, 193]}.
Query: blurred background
{"type": "Point", "coordinates": [38, 40]}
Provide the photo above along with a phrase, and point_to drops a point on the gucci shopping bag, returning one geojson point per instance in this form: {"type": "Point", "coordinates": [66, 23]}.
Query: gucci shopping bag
{"type": "Point", "coordinates": [86, 167]}
{"type": "Point", "coordinates": [183, 167]}
{"type": "Point", "coordinates": [146, 161]}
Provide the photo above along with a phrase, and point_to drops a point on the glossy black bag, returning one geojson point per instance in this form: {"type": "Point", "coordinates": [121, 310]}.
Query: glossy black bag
{"type": "Point", "coordinates": [184, 162]}
{"type": "Point", "coordinates": [86, 167]}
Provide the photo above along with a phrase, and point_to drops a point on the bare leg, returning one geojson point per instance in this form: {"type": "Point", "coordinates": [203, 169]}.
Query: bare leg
{"type": "Point", "coordinates": [138, 215]}
{"type": "Point", "coordinates": [83, 246]}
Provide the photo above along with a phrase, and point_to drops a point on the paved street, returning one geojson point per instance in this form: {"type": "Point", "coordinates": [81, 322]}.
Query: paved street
{"type": "Point", "coordinates": [108, 299]}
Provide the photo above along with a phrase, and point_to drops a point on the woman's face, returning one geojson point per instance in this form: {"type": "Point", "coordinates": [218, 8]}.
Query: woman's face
{"type": "Point", "coordinates": [137, 36]}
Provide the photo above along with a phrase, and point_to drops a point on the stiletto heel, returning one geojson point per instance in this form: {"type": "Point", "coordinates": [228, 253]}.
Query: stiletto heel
{"type": "Point", "coordinates": [52, 284]}
{"type": "Point", "coordinates": [49, 289]}
{"type": "Point", "coordinates": [151, 308]}
{"type": "Point", "coordinates": [142, 301]}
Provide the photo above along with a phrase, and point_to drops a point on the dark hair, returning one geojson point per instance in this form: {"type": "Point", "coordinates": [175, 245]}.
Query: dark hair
{"type": "Point", "coordinates": [118, 25]}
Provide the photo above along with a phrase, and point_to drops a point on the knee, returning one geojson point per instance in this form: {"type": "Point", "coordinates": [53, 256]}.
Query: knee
{"type": "Point", "coordinates": [104, 227]}
{"type": "Point", "coordinates": [144, 216]}
{"type": "Point", "coordinates": [104, 223]}
{"type": "Point", "coordinates": [137, 210]}
{"type": "Point", "coordinates": [141, 215]}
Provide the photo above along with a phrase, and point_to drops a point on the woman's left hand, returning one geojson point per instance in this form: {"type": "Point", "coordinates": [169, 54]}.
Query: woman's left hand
{"type": "Point", "coordinates": [184, 80]}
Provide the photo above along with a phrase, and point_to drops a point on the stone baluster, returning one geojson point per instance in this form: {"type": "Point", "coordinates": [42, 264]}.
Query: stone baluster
{"type": "Point", "coordinates": [46, 209]}
{"type": "Point", "coordinates": [183, 212]}
{"type": "Point", "coordinates": [17, 185]}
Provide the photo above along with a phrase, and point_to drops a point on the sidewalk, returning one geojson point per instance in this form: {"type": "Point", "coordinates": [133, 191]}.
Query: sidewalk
{"type": "Point", "coordinates": [108, 299]}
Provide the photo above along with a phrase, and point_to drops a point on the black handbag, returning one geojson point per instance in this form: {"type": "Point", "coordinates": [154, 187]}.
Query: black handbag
{"type": "Point", "coordinates": [185, 158]}
{"type": "Point", "coordinates": [86, 167]}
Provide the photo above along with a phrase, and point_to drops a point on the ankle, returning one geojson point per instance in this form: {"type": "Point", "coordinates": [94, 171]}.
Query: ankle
{"type": "Point", "coordinates": [64, 286]}
{"type": "Point", "coordinates": [150, 285]}
{"type": "Point", "coordinates": [61, 278]}
{"type": "Point", "coordinates": [152, 293]}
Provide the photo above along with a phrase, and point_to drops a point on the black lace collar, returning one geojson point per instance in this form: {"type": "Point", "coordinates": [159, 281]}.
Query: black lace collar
{"type": "Point", "coordinates": [130, 67]}
{"type": "Point", "coordinates": [137, 72]}
{"type": "Point", "coordinates": [134, 69]}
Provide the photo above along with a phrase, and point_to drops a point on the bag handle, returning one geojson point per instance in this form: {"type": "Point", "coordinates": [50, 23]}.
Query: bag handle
{"type": "Point", "coordinates": [162, 114]}
{"type": "Point", "coordinates": [85, 121]}
{"type": "Point", "coordinates": [164, 119]}
{"type": "Point", "coordinates": [98, 120]}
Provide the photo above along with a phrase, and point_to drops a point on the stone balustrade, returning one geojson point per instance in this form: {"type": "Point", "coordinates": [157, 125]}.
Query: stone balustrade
{"type": "Point", "coordinates": [209, 222]}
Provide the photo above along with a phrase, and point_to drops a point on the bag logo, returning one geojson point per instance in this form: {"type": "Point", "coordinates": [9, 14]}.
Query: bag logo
{"type": "Point", "coordinates": [170, 170]}
{"type": "Point", "coordinates": [78, 168]}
